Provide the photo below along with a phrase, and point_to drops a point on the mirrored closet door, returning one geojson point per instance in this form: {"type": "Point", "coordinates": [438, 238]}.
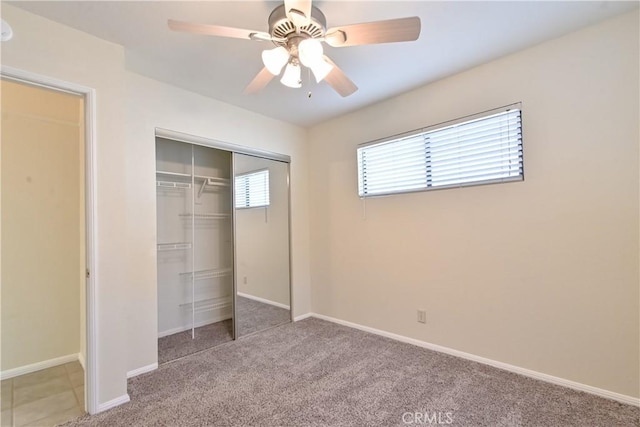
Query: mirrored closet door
{"type": "Point", "coordinates": [195, 248]}
{"type": "Point", "coordinates": [222, 241]}
{"type": "Point", "coordinates": [261, 188]}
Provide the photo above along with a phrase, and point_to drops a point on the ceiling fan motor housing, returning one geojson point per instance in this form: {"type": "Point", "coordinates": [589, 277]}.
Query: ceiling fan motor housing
{"type": "Point", "coordinates": [280, 27]}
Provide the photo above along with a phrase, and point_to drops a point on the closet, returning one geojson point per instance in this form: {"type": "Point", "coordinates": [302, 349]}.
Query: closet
{"type": "Point", "coordinates": [195, 251]}
{"type": "Point", "coordinates": [223, 248]}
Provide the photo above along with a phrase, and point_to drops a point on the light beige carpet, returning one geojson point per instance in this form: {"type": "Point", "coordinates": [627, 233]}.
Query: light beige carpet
{"type": "Point", "coordinates": [316, 373]}
{"type": "Point", "coordinates": [253, 316]}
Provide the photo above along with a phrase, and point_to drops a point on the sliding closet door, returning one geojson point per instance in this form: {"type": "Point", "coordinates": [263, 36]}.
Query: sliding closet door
{"type": "Point", "coordinates": [223, 246]}
{"type": "Point", "coordinates": [213, 262]}
{"type": "Point", "coordinates": [174, 198]}
{"type": "Point", "coordinates": [261, 189]}
{"type": "Point", "coordinates": [195, 253]}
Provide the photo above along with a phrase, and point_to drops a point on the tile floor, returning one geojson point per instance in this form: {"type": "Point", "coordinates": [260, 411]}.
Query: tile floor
{"type": "Point", "coordinates": [43, 398]}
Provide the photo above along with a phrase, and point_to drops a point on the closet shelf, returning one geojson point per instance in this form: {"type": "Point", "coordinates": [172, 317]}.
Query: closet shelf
{"type": "Point", "coordinates": [214, 181]}
{"type": "Point", "coordinates": [173, 246]}
{"type": "Point", "coordinates": [166, 180]}
{"type": "Point", "coordinates": [207, 304]}
{"type": "Point", "coordinates": [214, 184]}
{"type": "Point", "coordinates": [206, 216]}
{"type": "Point", "coordinates": [173, 185]}
{"type": "Point", "coordinates": [173, 174]}
{"type": "Point", "coordinates": [208, 274]}
{"type": "Point", "coordinates": [211, 180]}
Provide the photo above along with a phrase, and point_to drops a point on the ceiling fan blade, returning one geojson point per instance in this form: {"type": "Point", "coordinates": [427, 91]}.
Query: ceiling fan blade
{"type": "Point", "coordinates": [217, 30]}
{"type": "Point", "coordinates": [259, 82]}
{"type": "Point", "coordinates": [338, 80]}
{"type": "Point", "coordinates": [390, 31]}
{"type": "Point", "coordinates": [298, 11]}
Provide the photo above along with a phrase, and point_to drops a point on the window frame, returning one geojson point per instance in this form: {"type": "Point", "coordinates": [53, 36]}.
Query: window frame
{"type": "Point", "coordinates": [440, 126]}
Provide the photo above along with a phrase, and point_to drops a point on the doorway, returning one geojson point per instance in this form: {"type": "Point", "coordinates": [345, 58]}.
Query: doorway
{"type": "Point", "coordinates": [44, 253]}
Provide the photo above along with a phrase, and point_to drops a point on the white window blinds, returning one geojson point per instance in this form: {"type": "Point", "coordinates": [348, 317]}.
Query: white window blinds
{"type": "Point", "coordinates": [252, 189]}
{"type": "Point", "coordinates": [479, 151]}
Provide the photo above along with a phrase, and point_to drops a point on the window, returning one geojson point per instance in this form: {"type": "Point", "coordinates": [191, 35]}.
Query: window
{"type": "Point", "coordinates": [485, 149]}
{"type": "Point", "coordinates": [252, 189]}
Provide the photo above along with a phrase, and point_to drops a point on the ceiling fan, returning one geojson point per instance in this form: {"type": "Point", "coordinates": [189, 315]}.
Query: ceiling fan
{"type": "Point", "coordinates": [298, 28]}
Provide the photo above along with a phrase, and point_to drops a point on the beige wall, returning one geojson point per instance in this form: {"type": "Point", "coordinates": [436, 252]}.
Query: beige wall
{"type": "Point", "coordinates": [42, 209]}
{"type": "Point", "coordinates": [129, 108]}
{"type": "Point", "coordinates": [153, 104]}
{"type": "Point", "coordinates": [262, 236]}
{"type": "Point", "coordinates": [541, 274]}
{"type": "Point", "coordinates": [44, 47]}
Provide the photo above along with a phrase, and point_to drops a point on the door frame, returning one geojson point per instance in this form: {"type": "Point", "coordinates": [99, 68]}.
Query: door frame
{"type": "Point", "coordinates": [91, 217]}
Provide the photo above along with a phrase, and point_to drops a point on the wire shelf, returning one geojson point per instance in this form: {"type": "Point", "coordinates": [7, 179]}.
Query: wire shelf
{"type": "Point", "coordinates": [206, 216]}
{"type": "Point", "coordinates": [174, 246]}
{"type": "Point", "coordinates": [173, 185]}
{"type": "Point", "coordinates": [208, 274]}
{"type": "Point", "coordinates": [208, 304]}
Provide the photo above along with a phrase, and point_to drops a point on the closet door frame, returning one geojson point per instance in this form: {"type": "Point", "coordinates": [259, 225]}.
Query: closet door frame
{"type": "Point", "coordinates": [239, 149]}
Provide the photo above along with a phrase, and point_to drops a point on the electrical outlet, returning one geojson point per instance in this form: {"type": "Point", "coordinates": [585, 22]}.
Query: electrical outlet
{"type": "Point", "coordinates": [245, 280]}
{"type": "Point", "coordinates": [422, 316]}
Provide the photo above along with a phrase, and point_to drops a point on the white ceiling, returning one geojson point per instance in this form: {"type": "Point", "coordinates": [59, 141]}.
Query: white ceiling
{"type": "Point", "coordinates": [455, 36]}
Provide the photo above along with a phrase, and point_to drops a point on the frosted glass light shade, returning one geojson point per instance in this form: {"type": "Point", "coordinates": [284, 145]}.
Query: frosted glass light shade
{"type": "Point", "coordinates": [275, 59]}
{"type": "Point", "coordinates": [291, 76]}
{"type": "Point", "coordinates": [310, 52]}
{"type": "Point", "coordinates": [320, 69]}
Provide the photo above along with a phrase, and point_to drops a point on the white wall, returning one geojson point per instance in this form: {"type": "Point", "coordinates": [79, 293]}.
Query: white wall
{"type": "Point", "coordinates": [129, 107]}
{"type": "Point", "coordinates": [44, 47]}
{"type": "Point", "coordinates": [541, 274]}
{"type": "Point", "coordinates": [262, 236]}
{"type": "Point", "coordinates": [42, 195]}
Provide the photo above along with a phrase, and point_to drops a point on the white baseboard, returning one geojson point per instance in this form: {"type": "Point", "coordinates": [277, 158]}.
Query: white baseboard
{"type": "Point", "coordinates": [113, 403]}
{"type": "Point", "coordinates": [629, 400]}
{"type": "Point", "coordinates": [264, 300]}
{"type": "Point", "coordinates": [197, 325]}
{"type": "Point", "coordinates": [303, 316]}
{"type": "Point", "coordinates": [81, 361]}
{"type": "Point", "coordinates": [142, 370]}
{"type": "Point", "coordinates": [27, 369]}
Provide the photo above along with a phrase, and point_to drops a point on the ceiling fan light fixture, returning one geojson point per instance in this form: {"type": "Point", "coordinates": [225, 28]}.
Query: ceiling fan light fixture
{"type": "Point", "coordinates": [291, 76]}
{"type": "Point", "coordinates": [275, 59]}
{"type": "Point", "coordinates": [310, 51]}
{"type": "Point", "coordinates": [298, 29]}
{"type": "Point", "coordinates": [320, 69]}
